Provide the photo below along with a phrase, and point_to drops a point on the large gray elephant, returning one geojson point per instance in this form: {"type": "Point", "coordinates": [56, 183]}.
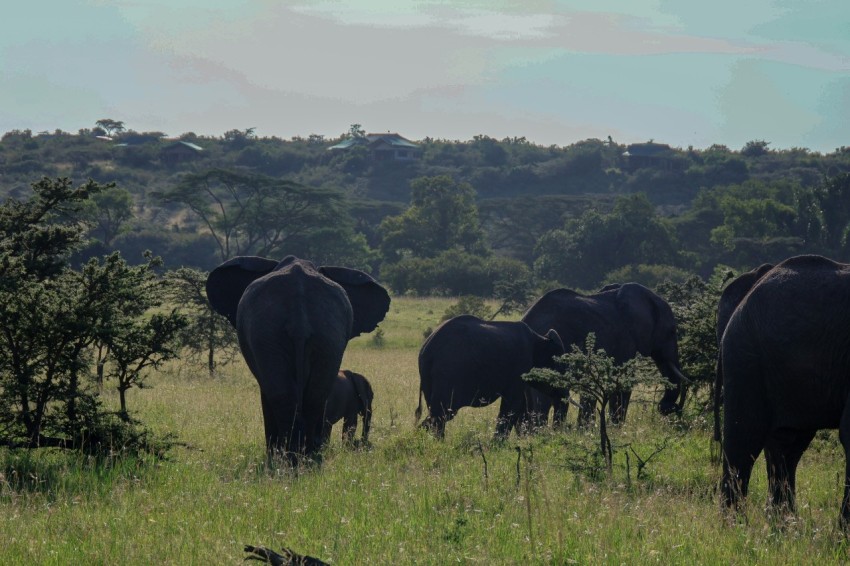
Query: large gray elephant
{"type": "Point", "coordinates": [627, 319]}
{"type": "Point", "coordinates": [469, 362]}
{"type": "Point", "coordinates": [351, 397]}
{"type": "Point", "coordinates": [786, 374]}
{"type": "Point", "coordinates": [293, 321]}
{"type": "Point", "coordinates": [730, 298]}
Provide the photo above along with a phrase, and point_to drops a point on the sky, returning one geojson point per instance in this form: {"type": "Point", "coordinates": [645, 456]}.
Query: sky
{"type": "Point", "coordinates": [681, 72]}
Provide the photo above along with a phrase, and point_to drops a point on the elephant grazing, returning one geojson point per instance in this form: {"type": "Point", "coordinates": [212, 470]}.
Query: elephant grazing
{"type": "Point", "coordinates": [351, 396]}
{"type": "Point", "coordinates": [293, 321]}
{"type": "Point", "coordinates": [627, 319]}
{"type": "Point", "coordinates": [469, 362]}
{"type": "Point", "coordinates": [786, 374]}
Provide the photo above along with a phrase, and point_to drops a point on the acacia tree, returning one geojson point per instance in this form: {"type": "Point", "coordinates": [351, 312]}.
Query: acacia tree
{"type": "Point", "coordinates": [51, 315]}
{"type": "Point", "coordinates": [207, 333]}
{"type": "Point", "coordinates": [109, 125]}
{"type": "Point", "coordinates": [595, 376]}
{"type": "Point", "coordinates": [251, 214]}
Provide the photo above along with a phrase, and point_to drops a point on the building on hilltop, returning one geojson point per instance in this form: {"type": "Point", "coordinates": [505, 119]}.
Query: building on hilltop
{"type": "Point", "coordinates": [179, 152]}
{"type": "Point", "coordinates": [650, 154]}
{"type": "Point", "coordinates": [383, 147]}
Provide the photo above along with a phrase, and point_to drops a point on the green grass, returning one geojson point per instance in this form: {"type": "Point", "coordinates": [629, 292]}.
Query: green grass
{"type": "Point", "coordinates": [410, 499]}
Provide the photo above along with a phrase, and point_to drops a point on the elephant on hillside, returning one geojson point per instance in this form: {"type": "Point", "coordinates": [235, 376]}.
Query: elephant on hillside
{"type": "Point", "coordinates": [293, 321]}
{"type": "Point", "coordinates": [785, 363]}
{"type": "Point", "coordinates": [627, 319]}
{"type": "Point", "coordinates": [469, 362]}
{"type": "Point", "coordinates": [351, 396]}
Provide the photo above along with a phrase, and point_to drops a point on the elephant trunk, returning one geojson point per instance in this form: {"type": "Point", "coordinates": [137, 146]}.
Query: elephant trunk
{"type": "Point", "coordinates": [673, 399]}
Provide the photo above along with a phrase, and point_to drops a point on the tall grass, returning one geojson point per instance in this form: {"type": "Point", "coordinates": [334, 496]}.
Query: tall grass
{"type": "Point", "coordinates": [409, 499]}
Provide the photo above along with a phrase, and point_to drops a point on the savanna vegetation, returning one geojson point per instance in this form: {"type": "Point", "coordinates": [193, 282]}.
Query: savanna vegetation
{"type": "Point", "coordinates": [408, 499]}
{"type": "Point", "coordinates": [131, 430]}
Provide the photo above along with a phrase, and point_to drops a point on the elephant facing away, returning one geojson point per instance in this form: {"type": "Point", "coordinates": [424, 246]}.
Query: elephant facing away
{"type": "Point", "coordinates": [786, 374]}
{"type": "Point", "coordinates": [351, 397]}
{"type": "Point", "coordinates": [469, 362]}
{"type": "Point", "coordinates": [730, 298]}
{"type": "Point", "coordinates": [627, 319]}
{"type": "Point", "coordinates": [293, 321]}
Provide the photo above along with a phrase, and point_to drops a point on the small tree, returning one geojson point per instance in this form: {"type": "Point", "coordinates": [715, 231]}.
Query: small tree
{"type": "Point", "coordinates": [513, 295]}
{"type": "Point", "coordinates": [594, 375]}
{"type": "Point", "coordinates": [694, 305]}
{"type": "Point", "coordinates": [206, 333]}
{"type": "Point", "coordinates": [109, 211]}
{"type": "Point", "coordinates": [143, 344]}
{"type": "Point", "coordinates": [468, 304]}
{"type": "Point", "coordinates": [109, 126]}
{"type": "Point", "coordinates": [51, 316]}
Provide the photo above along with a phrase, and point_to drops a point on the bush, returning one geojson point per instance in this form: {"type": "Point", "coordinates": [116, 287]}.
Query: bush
{"type": "Point", "coordinates": [453, 273]}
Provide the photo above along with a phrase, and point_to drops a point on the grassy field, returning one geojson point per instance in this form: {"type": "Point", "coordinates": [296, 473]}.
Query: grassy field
{"type": "Point", "coordinates": [409, 499]}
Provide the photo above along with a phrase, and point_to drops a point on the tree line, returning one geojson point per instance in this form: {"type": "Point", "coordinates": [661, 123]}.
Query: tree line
{"type": "Point", "coordinates": [578, 215]}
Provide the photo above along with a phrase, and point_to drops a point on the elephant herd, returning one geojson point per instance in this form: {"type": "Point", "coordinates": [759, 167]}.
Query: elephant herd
{"type": "Point", "coordinates": [783, 372]}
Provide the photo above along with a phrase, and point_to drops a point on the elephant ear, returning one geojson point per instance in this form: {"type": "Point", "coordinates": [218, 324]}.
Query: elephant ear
{"type": "Point", "coordinates": [227, 282]}
{"type": "Point", "coordinates": [369, 300]}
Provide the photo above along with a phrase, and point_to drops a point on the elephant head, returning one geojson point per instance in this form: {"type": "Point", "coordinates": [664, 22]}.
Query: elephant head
{"type": "Point", "coordinates": [652, 326]}
{"type": "Point", "coordinates": [627, 319]}
{"type": "Point", "coordinates": [293, 321]}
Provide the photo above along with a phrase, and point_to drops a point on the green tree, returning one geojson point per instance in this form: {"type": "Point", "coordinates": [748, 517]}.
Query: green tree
{"type": "Point", "coordinates": [50, 317]}
{"type": "Point", "coordinates": [594, 244]}
{"type": "Point", "coordinates": [207, 334]}
{"type": "Point", "coordinates": [142, 343]}
{"type": "Point", "coordinates": [109, 211]}
{"type": "Point", "coordinates": [250, 214]}
{"type": "Point", "coordinates": [832, 197]}
{"type": "Point", "coordinates": [110, 126]}
{"type": "Point", "coordinates": [442, 216]}
{"type": "Point", "coordinates": [594, 375]}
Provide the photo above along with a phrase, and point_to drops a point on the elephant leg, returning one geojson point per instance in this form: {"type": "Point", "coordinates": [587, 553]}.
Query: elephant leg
{"type": "Point", "coordinates": [268, 420]}
{"type": "Point", "coordinates": [587, 411]}
{"type": "Point", "coordinates": [782, 453]}
{"type": "Point", "coordinates": [618, 405]}
{"type": "Point", "coordinates": [438, 416]}
{"type": "Point", "coordinates": [349, 427]}
{"type": "Point", "coordinates": [741, 446]}
{"type": "Point", "coordinates": [509, 418]}
{"type": "Point", "coordinates": [559, 413]}
{"type": "Point", "coordinates": [327, 429]}
{"type": "Point", "coordinates": [844, 436]}
{"type": "Point", "coordinates": [285, 431]}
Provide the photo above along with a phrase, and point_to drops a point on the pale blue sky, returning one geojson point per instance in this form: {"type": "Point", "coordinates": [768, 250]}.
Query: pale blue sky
{"type": "Point", "coordinates": [681, 72]}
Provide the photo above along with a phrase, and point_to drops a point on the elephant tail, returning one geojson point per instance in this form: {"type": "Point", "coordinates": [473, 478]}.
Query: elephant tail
{"type": "Point", "coordinates": [366, 395]}
{"type": "Point", "coordinates": [418, 414]}
{"type": "Point", "coordinates": [718, 395]}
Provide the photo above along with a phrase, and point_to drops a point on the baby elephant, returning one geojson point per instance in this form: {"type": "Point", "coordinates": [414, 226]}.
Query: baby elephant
{"type": "Point", "coordinates": [351, 396]}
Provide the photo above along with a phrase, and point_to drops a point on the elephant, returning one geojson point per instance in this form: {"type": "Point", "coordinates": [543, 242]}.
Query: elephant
{"type": "Point", "coordinates": [627, 319]}
{"type": "Point", "coordinates": [293, 321]}
{"type": "Point", "coordinates": [351, 396]}
{"type": "Point", "coordinates": [729, 300]}
{"type": "Point", "coordinates": [469, 362]}
{"type": "Point", "coordinates": [785, 363]}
